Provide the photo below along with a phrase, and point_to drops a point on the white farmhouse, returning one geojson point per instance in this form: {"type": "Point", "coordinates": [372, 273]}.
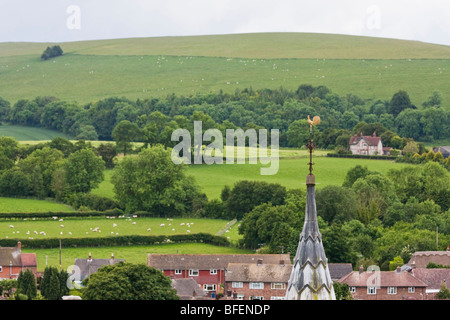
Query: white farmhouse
{"type": "Point", "coordinates": [367, 145]}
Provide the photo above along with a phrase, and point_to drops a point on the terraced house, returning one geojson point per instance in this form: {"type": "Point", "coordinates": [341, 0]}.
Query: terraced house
{"type": "Point", "coordinates": [208, 270]}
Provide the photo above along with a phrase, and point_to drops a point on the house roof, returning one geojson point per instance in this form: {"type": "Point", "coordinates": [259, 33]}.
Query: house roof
{"type": "Point", "coordinates": [89, 267]}
{"type": "Point", "coordinates": [29, 260]}
{"type": "Point", "coordinates": [10, 255]}
{"type": "Point", "coordinates": [187, 288]}
{"type": "Point", "coordinates": [432, 277]}
{"type": "Point", "coordinates": [420, 259]}
{"type": "Point", "coordinates": [259, 273]}
{"type": "Point", "coordinates": [381, 279]}
{"type": "Point", "coordinates": [338, 270]}
{"type": "Point", "coordinates": [210, 261]}
{"type": "Point", "coordinates": [445, 150]}
{"type": "Point", "coordinates": [372, 140]}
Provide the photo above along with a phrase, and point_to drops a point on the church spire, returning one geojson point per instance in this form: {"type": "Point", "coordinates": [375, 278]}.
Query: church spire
{"type": "Point", "coordinates": [310, 277]}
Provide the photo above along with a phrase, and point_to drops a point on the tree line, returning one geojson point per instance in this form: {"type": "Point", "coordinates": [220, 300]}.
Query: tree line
{"type": "Point", "coordinates": [152, 120]}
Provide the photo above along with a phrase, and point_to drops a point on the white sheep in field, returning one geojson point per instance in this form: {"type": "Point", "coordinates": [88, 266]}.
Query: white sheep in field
{"type": "Point", "coordinates": [62, 226]}
{"type": "Point", "coordinates": [149, 229]}
{"type": "Point", "coordinates": [162, 225]}
{"type": "Point", "coordinates": [11, 226]}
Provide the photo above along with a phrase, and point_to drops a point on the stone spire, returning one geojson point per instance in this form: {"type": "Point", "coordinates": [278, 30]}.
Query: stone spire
{"type": "Point", "coordinates": [310, 277]}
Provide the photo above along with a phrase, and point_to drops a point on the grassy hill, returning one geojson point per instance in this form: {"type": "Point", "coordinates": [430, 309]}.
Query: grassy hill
{"type": "Point", "coordinates": [21, 133]}
{"type": "Point", "coordinates": [155, 67]}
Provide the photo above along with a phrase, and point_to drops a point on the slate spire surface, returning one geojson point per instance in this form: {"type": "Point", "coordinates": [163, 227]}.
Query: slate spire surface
{"type": "Point", "coordinates": [310, 277]}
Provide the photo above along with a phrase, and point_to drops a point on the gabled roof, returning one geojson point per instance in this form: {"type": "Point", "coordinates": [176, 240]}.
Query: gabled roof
{"type": "Point", "coordinates": [210, 261]}
{"type": "Point", "coordinates": [381, 279]}
{"type": "Point", "coordinates": [187, 288]}
{"type": "Point", "coordinates": [339, 270]}
{"type": "Point", "coordinates": [372, 140]}
{"type": "Point", "coordinates": [88, 267]}
{"type": "Point", "coordinates": [10, 255]}
{"type": "Point", "coordinates": [432, 277]}
{"type": "Point", "coordinates": [29, 260]}
{"type": "Point", "coordinates": [252, 272]}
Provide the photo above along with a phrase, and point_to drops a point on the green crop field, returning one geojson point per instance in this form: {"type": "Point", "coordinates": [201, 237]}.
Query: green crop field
{"type": "Point", "coordinates": [31, 205]}
{"type": "Point", "coordinates": [155, 67]}
{"type": "Point", "coordinates": [30, 134]}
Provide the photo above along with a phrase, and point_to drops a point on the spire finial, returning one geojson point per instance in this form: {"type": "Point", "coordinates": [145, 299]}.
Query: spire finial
{"type": "Point", "coordinates": [310, 145]}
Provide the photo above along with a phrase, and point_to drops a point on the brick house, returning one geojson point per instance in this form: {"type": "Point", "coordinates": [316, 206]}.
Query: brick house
{"type": "Point", "coordinates": [257, 281]}
{"type": "Point", "coordinates": [208, 270]}
{"type": "Point", "coordinates": [13, 260]}
{"type": "Point", "coordinates": [385, 285]}
{"type": "Point", "coordinates": [367, 145]}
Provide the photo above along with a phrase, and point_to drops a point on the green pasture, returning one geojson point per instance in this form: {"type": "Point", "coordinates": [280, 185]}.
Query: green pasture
{"type": "Point", "coordinates": [291, 172]}
{"type": "Point", "coordinates": [31, 134]}
{"type": "Point", "coordinates": [133, 254]}
{"type": "Point", "coordinates": [84, 79]}
{"type": "Point", "coordinates": [145, 68]}
{"type": "Point", "coordinates": [105, 227]}
{"type": "Point", "coordinates": [31, 205]}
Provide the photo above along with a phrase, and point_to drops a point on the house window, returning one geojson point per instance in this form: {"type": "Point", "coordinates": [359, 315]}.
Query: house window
{"type": "Point", "coordinates": [256, 285]}
{"type": "Point", "coordinates": [352, 289]}
{"type": "Point", "coordinates": [392, 290]}
{"type": "Point", "coordinates": [411, 289]}
{"type": "Point", "coordinates": [193, 272]}
{"type": "Point", "coordinates": [177, 271]}
{"type": "Point", "coordinates": [256, 298]}
{"type": "Point", "coordinates": [236, 284]}
{"type": "Point", "coordinates": [213, 271]}
{"type": "Point", "coordinates": [1, 269]}
{"type": "Point", "coordinates": [371, 290]}
{"type": "Point", "coordinates": [276, 298]}
{"type": "Point", "coordinates": [278, 285]}
{"type": "Point", "coordinates": [209, 287]}
{"type": "Point", "coordinates": [240, 297]}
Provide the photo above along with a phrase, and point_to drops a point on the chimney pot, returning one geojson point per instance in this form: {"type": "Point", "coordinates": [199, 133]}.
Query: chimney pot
{"type": "Point", "coordinates": [19, 245]}
{"type": "Point", "coordinates": [361, 269]}
{"type": "Point", "coordinates": [398, 269]}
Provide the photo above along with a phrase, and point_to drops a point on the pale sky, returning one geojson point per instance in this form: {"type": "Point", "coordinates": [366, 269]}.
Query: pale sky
{"type": "Point", "coordinates": [73, 20]}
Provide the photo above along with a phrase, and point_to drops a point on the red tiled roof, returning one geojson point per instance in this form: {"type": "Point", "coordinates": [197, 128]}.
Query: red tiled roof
{"type": "Point", "coordinates": [385, 279]}
{"type": "Point", "coordinates": [29, 260]}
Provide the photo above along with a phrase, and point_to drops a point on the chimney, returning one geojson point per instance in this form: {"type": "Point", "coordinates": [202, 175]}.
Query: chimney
{"type": "Point", "coordinates": [90, 257]}
{"type": "Point", "coordinates": [398, 269]}
{"type": "Point", "coordinates": [282, 263]}
{"type": "Point", "coordinates": [361, 269]}
{"type": "Point", "coordinates": [448, 248]}
{"type": "Point", "coordinates": [112, 256]}
{"type": "Point", "coordinates": [260, 262]}
{"type": "Point", "coordinates": [19, 245]}
{"type": "Point", "coordinates": [374, 134]}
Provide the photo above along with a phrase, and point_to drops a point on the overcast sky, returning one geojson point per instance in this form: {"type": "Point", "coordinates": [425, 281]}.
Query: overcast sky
{"type": "Point", "coordinates": [73, 20]}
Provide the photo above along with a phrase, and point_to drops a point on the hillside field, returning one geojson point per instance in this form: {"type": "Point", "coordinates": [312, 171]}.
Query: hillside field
{"type": "Point", "coordinates": [372, 68]}
{"type": "Point", "coordinates": [30, 134]}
